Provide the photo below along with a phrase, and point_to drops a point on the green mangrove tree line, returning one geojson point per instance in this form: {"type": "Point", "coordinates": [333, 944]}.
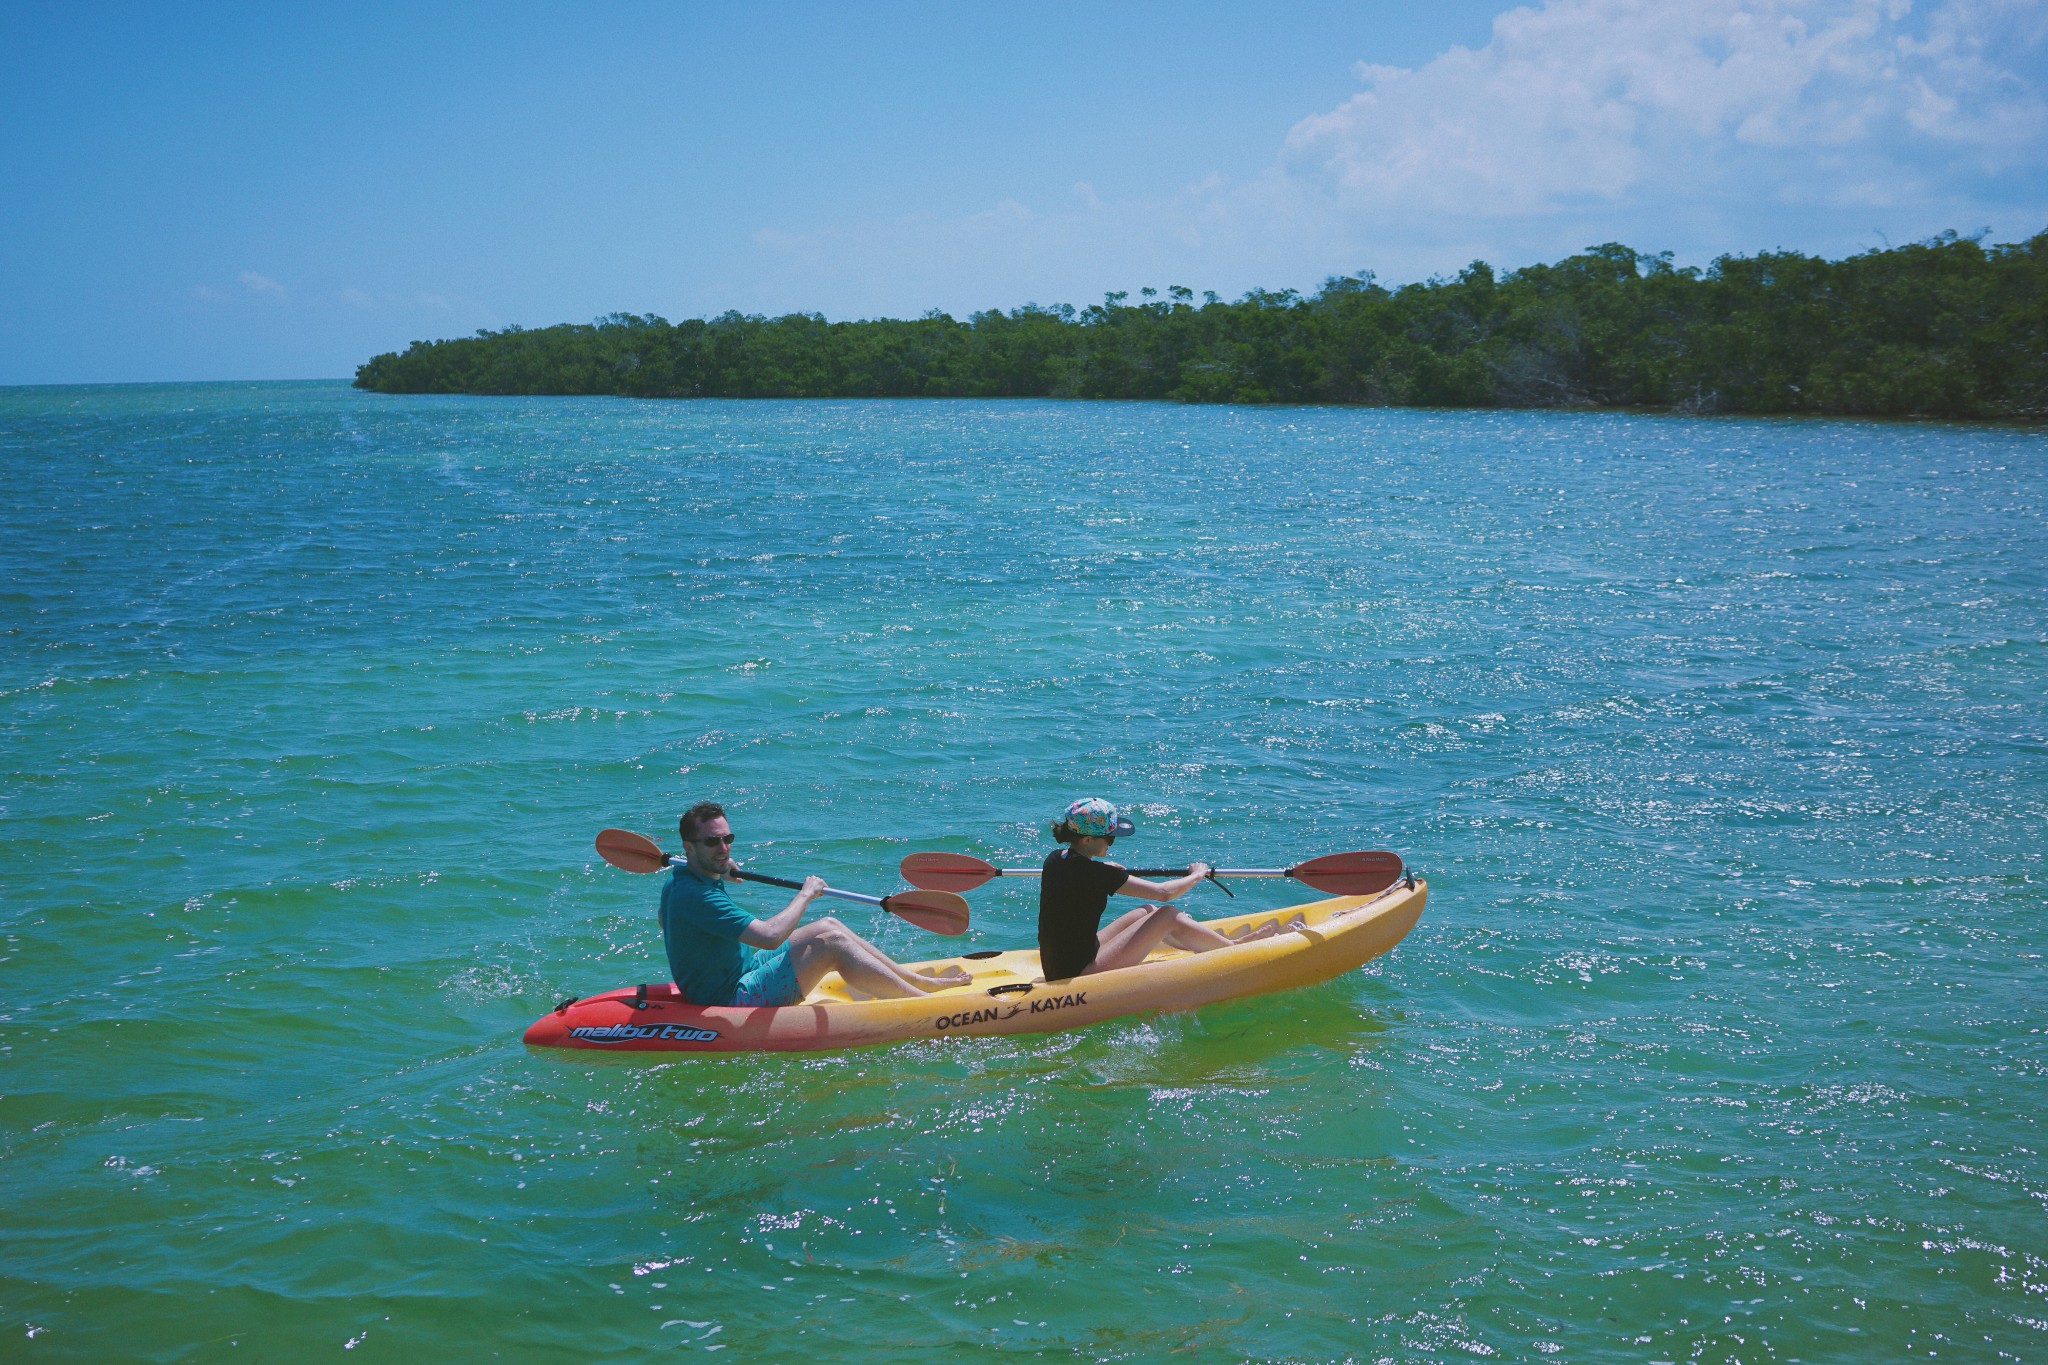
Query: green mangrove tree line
{"type": "Point", "coordinates": [1948, 327]}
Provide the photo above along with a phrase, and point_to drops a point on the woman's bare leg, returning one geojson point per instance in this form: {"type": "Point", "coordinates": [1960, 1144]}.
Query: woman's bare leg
{"type": "Point", "coordinates": [1195, 936]}
{"type": "Point", "coordinates": [1188, 933]}
{"type": "Point", "coordinates": [1131, 938]}
{"type": "Point", "coordinates": [1123, 923]}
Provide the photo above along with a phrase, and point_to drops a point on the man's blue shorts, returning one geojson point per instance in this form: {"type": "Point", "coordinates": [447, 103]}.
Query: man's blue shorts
{"type": "Point", "coordinates": [770, 980]}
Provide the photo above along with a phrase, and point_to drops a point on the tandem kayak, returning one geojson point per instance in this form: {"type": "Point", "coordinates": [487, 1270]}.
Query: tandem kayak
{"type": "Point", "coordinates": [1007, 994]}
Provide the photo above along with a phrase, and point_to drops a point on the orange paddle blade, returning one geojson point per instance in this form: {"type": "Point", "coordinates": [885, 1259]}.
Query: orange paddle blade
{"type": "Point", "coordinates": [946, 871]}
{"type": "Point", "coordinates": [1349, 874]}
{"type": "Point", "coordinates": [634, 852]}
{"type": "Point", "coordinates": [942, 912]}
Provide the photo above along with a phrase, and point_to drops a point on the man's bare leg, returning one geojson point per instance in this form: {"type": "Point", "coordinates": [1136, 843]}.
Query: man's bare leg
{"type": "Point", "coordinates": [826, 945]}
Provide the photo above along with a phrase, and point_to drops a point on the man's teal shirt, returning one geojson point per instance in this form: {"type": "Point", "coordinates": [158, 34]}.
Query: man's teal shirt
{"type": "Point", "coordinates": [701, 927]}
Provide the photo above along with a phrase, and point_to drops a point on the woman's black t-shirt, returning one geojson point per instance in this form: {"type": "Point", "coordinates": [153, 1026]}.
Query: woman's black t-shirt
{"type": "Point", "coordinates": [1072, 894]}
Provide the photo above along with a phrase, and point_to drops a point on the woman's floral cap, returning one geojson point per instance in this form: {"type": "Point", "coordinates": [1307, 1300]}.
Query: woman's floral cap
{"type": "Point", "coordinates": [1097, 818]}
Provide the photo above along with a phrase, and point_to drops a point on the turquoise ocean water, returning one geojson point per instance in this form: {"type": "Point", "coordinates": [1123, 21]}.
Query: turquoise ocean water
{"type": "Point", "coordinates": [1724, 1037]}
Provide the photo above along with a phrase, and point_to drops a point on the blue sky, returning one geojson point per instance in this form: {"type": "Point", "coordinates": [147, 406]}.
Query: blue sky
{"type": "Point", "coordinates": [263, 191]}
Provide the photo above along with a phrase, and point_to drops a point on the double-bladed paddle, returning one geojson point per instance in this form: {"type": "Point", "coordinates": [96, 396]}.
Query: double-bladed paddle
{"type": "Point", "coordinates": [1339, 874]}
{"type": "Point", "coordinates": [936, 909]}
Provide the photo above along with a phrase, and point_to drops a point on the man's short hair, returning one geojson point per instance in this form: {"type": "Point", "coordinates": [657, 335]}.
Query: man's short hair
{"type": "Point", "coordinates": [696, 817]}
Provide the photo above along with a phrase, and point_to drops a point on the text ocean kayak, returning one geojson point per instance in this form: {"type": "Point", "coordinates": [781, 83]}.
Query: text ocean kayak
{"type": "Point", "coordinates": [1006, 996]}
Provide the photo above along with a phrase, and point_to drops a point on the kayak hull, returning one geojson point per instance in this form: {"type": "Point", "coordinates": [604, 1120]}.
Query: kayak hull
{"type": "Point", "coordinates": [1007, 995]}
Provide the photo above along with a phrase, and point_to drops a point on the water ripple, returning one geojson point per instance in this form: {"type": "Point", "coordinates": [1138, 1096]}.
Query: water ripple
{"type": "Point", "coordinates": [1720, 742]}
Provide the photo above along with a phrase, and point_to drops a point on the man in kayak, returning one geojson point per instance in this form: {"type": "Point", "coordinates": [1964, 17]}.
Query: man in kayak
{"type": "Point", "coordinates": [1073, 894]}
{"type": "Point", "coordinates": [704, 930]}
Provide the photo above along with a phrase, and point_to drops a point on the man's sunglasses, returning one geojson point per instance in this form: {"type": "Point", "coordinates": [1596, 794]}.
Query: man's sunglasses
{"type": "Point", "coordinates": [723, 839]}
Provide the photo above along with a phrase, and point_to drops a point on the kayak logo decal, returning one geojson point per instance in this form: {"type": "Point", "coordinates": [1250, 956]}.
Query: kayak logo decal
{"type": "Point", "coordinates": [633, 1033]}
{"type": "Point", "coordinates": [996, 1014]}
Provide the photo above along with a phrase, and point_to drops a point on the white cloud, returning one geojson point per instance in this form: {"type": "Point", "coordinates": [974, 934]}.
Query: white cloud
{"type": "Point", "coordinates": [261, 284]}
{"type": "Point", "coordinates": [1697, 126]}
{"type": "Point", "coordinates": [1615, 102]}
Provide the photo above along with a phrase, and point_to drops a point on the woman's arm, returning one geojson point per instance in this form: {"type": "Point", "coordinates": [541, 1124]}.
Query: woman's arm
{"type": "Point", "coordinates": [1163, 891]}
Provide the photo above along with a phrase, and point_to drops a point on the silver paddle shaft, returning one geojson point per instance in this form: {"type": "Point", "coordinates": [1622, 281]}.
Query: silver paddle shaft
{"type": "Point", "coordinates": [832, 891]}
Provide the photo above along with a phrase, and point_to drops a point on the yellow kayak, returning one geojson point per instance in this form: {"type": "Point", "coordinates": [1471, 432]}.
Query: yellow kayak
{"type": "Point", "coordinates": [1324, 938]}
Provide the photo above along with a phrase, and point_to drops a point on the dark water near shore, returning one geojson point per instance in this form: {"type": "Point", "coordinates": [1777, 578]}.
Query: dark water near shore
{"type": "Point", "coordinates": [1722, 744]}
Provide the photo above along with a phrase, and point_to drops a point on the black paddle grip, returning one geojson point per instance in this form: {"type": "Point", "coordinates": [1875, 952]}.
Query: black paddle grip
{"type": "Point", "coordinates": [765, 879]}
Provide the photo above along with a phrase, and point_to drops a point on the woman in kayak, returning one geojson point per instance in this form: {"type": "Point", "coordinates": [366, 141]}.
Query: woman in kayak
{"type": "Point", "coordinates": [1073, 894]}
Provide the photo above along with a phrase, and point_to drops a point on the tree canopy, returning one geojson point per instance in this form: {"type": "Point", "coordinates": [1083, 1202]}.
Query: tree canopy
{"type": "Point", "coordinates": [1947, 328]}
